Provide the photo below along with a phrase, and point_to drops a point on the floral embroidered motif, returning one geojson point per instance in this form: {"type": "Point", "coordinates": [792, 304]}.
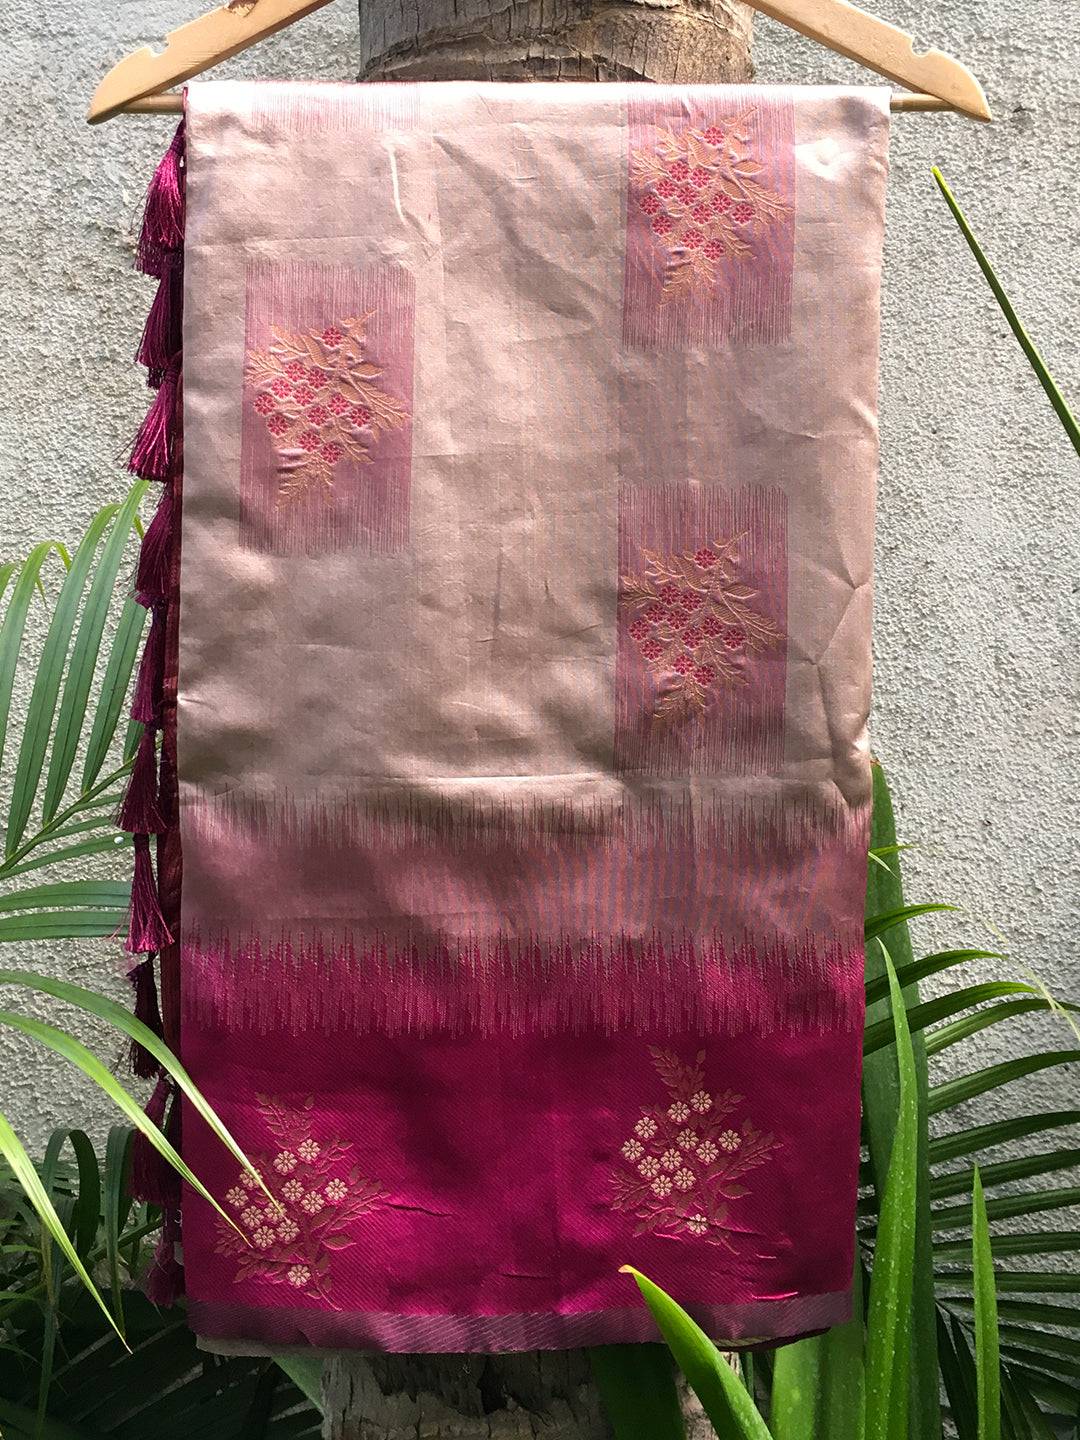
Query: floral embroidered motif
{"type": "Point", "coordinates": [698, 189]}
{"type": "Point", "coordinates": [290, 1237]}
{"type": "Point", "coordinates": [321, 403]}
{"type": "Point", "coordinates": [683, 1180]}
{"type": "Point", "coordinates": [694, 626]}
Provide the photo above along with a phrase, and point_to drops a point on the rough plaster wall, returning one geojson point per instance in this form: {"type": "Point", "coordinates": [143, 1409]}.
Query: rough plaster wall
{"type": "Point", "coordinates": [976, 712]}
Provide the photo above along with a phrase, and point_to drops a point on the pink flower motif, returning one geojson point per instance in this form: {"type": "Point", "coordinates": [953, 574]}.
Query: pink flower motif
{"type": "Point", "coordinates": [667, 188]}
{"type": "Point", "coordinates": [312, 1202]}
{"type": "Point", "coordinates": [680, 170]}
{"type": "Point", "coordinates": [742, 213]}
{"type": "Point", "coordinates": [288, 1230]}
{"type": "Point", "coordinates": [692, 239]}
{"type": "Point", "coordinates": [702, 214]}
{"type": "Point", "coordinates": [293, 1190]}
{"type": "Point", "coordinates": [332, 337]}
{"type": "Point", "coordinates": [639, 629]}
{"type": "Point", "coordinates": [318, 414]}
{"type": "Point", "coordinates": [705, 674]}
{"type": "Point", "coordinates": [699, 177]}
{"type": "Point", "coordinates": [315, 378]}
{"type": "Point", "coordinates": [722, 203]}
{"type": "Point", "coordinates": [705, 557]}
{"type": "Point", "coordinates": [264, 403]}
{"type": "Point", "coordinates": [277, 424]}
{"type": "Point", "coordinates": [687, 194]}
{"type": "Point", "coordinates": [652, 649]}
{"type": "Point", "coordinates": [299, 1275]}
{"type": "Point", "coordinates": [304, 394]}
{"type": "Point", "coordinates": [310, 441]}
{"type": "Point", "coordinates": [684, 664]}
{"type": "Point", "coordinates": [337, 404]}
{"type": "Point", "coordinates": [263, 1238]}
{"type": "Point", "coordinates": [650, 204]}
{"type": "Point", "coordinates": [331, 452]}
{"type": "Point", "coordinates": [281, 387]}
{"type": "Point", "coordinates": [734, 638]}
{"type": "Point", "coordinates": [697, 1224]}
{"type": "Point", "coordinates": [689, 600]}
{"type": "Point", "coordinates": [361, 416]}
{"type": "Point", "coordinates": [336, 1191]}
{"type": "Point", "coordinates": [296, 370]}
{"type": "Point", "coordinates": [662, 225]}
{"type": "Point", "coordinates": [285, 1162]}
{"type": "Point", "coordinates": [713, 135]}
{"type": "Point", "coordinates": [671, 594]}
{"type": "Point", "coordinates": [712, 249]}
{"type": "Point", "coordinates": [655, 613]}
{"type": "Point", "coordinates": [308, 1150]}
{"type": "Point", "coordinates": [712, 625]}
{"type": "Point", "coordinates": [692, 637]}
{"type": "Point", "coordinates": [684, 1179]}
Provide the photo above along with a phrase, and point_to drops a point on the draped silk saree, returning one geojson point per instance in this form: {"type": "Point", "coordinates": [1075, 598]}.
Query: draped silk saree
{"type": "Point", "coordinates": [506, 704]}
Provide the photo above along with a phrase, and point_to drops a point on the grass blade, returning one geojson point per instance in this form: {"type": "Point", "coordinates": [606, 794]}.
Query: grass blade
{"type": "Point", "coordinates": [1036, 361]}
{"type": "Point", "coordinates": [637, 1387]}
{"type": "Point", "coordinates": [13, 626]}
{"type": "Point", "coordinates": [888, 1349]}
{"type": "Point", "coordinates": [917, 970]}
{"type": "Point", "coordinates": [959, 1182]}
{"type": "Point", "coordinates": [966, 1087]}
{"type": "Point", "coordinates": [724, 1397]}
{"type": "Point", "coordinates": [942, 1006]}
{"type": "Point", "coordinates": [72, 1050]}
{"type": "Point", "coordinates": [95, 893]}
{"type": "Point", "coordinates": [44, 858]}
{"type": "Point", "coordinates": [84, 656]}
{"type": "Point", "coordinates": [37, 730]}
{"type": "Point", "coordinates": [114, 688]}
{"type": "Point", "coordinates": [987, 1351]}
{"type": "Point", "coordinates": [993, 1015]}
{"type": "Point", "coordinates": [1001, 1132]}
{"type": "Point", "coordinates": [819, 1385]}
{"type": "Point", "coordinates": [122, 1019]}
{"type": "Point", "coordinates": [13, 1152]}
{"type": "Point", "coordinates": [63, 925]}
{"type": "Point", "coordinates": [117, 1204]}
{"type": "Point", "coordinates": [881, 924]}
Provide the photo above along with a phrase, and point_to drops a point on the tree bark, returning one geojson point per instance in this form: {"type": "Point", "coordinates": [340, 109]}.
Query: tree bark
{"type": "Point", "coordinates": [551, 1395]}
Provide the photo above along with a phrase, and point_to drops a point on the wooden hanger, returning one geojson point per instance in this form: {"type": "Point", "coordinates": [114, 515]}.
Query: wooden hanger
{"type": "Point", "coordinates": [137, 82]}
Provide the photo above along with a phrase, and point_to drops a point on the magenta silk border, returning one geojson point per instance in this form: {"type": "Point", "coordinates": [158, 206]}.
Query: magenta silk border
{"type": "Point", "coordinates": [744, 1324]}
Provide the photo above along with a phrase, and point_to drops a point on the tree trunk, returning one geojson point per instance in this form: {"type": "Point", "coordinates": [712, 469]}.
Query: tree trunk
{"type": "Point", "coordinates": [517, 1397]}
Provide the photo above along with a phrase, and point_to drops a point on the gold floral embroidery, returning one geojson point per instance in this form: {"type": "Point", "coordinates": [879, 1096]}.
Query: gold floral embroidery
{"type": "Point", "coordinates": [290, 1237]}
{"type": "Point", "coordinates": [698, 190]}
{"type": "Point", "coordinates": [681, 1165]}
{"type": "Point", "coordinates": [321, 404]}
{"type": "Point", "coordinates": [693, 624]}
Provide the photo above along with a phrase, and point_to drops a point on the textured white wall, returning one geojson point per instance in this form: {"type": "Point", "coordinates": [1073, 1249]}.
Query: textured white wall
{"type": "Point", "coordinates": [976, 704]}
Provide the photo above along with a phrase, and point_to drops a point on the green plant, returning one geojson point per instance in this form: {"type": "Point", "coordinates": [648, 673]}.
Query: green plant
{"type": "Point", "coordinates": [80, 677]}
{"type": "Point", "coordinates": [64, 1375]}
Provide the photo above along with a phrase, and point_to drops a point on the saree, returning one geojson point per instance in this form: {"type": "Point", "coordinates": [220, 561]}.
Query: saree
{"type": "Point", "coordinates": [502, 812]}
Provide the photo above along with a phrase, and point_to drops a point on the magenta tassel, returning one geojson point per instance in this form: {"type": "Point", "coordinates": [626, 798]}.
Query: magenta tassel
{"type": "Point", "coordinates": [139, 813]}
{"type": "Point", "coordinates": [149, 687]}
{"type": "Point", "coordinates": [143, 1064]}
{"type": "Point", "coordinates": [154, 451]}
{"type": "Point", "coordinates": [161, 336]}
{"type": "Point", "coordinates": [149, 1172]}
{"type": "Point", "coordinates": [163, 212]}
{"type": "Point", "coordinates": [147, 930]}
{"type": "Point", "coordinates": [152, 582]}
{"type": "Point", "coordinates": [164, 1283]}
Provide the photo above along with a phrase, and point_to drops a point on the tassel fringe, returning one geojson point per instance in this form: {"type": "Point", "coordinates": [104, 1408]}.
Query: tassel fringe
{"type": "Point", "coordinates": [163, 211]}
{"type": "Point", "coordinates": [150, 804]}
{"type": "Point", "coordinates": [155, 555]}
{"type": "Point", "coordinates": [147, 1009]}
{"type": "Point", "coordinates": [149, 687]}
{"type": "Point", "coordinates": [147, 930]}
{"type": "Point", "coordinates": [164, 1283]}
{"type": "Point", "coordinates": [139, 813]}
{"type": "Point", "coordinates": [153, 454]}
